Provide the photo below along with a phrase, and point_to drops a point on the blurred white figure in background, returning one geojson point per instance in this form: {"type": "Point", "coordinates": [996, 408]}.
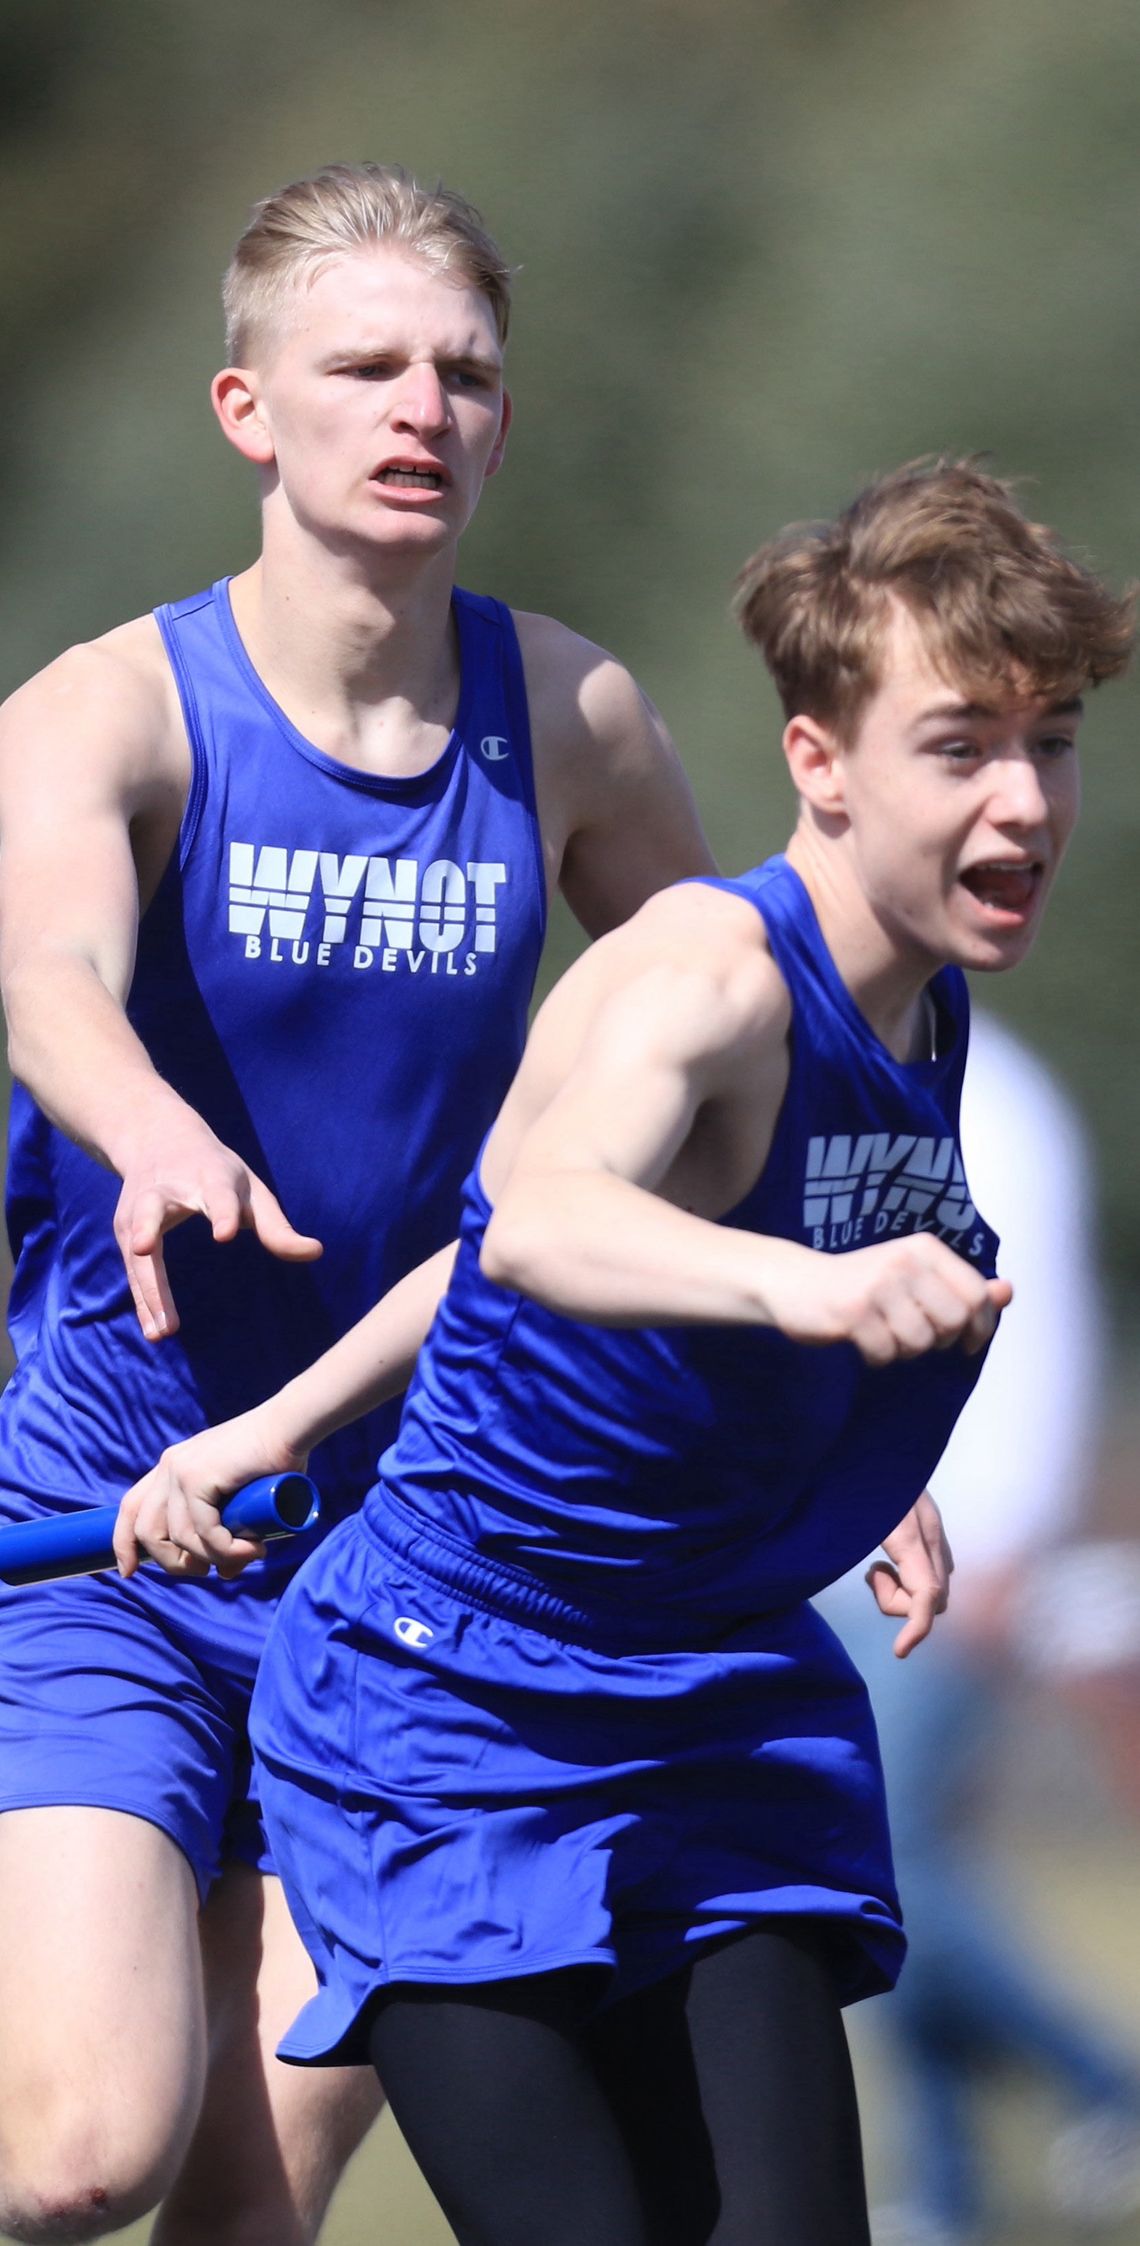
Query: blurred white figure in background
{"type": "Point", "coordinates": [1013, 1485]}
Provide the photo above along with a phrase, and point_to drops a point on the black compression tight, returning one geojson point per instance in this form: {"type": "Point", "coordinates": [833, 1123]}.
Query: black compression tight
{"type": "Point", "coordinates": [715, 2109]}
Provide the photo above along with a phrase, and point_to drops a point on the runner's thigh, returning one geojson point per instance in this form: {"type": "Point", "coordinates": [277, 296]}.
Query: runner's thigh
{"type": "Point", "coordinates": [103, 2053]}
{"type": "Point", "coordinates": [272, 2141]}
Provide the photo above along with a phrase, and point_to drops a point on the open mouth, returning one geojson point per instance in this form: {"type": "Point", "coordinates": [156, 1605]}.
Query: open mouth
{"type": "Point", "coordinates": [1004, 886]}
{"type": "Point", "coordinates": [410, 479]}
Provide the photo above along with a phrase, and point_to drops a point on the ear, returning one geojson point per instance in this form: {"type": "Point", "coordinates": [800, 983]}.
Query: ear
{"type": "Point", "coordinates": [500, 445]}
{"type": "Point", "coordinates": [236, 400]}
{"type": "Point", "coordinates": [817, 762]}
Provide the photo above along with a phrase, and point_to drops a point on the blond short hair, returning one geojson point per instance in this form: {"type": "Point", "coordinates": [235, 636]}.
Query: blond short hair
{"type": "Point", "coordinates": [346, 207]}
{"type": "Point", "coordinates": [1003, 611]}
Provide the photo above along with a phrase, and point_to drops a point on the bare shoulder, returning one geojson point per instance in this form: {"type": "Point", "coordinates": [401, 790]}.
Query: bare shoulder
{"type": "Point", "coordinates": [686, 992]}
{"type": "Point", "coordinates": [617, 814]}
{"type": "Point", "coordinates": [691, 971]}
{"type": "Point", "coordinates": [706, 949]}
{"type": "Point", "coordinates": [108, 706]}
{"type": "Point", "coordinates": [582, 700]}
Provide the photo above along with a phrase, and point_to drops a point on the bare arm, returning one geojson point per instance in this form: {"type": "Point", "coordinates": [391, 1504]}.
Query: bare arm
{"type": "Point", "coordinates": [605, 1201]}
{"type": "Point", "coordinates": [618, 816]}
{"type": "Point", "coordinates": [171, 1515]}
{"type": "Point", "coordinates": [92, 781]}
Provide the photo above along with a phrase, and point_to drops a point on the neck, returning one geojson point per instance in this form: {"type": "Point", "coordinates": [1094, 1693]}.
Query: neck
{"type": "Point", "coordinates": [362, 665]}
{"type": "Point", "coordinates": [887, 983]}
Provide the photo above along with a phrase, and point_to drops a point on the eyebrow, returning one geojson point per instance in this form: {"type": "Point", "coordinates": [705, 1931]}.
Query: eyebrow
{"type": "Point", "coordinates": [361, 353]}
{"type": "Point", "coordinates": [965, 712]}
{"type": "Point", "coordinates": [473, 359]}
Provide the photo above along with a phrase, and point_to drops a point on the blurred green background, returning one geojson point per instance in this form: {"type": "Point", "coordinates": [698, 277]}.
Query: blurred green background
{"type": "Point", "coordinates": [765, 249]}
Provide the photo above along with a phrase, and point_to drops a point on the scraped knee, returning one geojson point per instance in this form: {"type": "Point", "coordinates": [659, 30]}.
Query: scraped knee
{"type": "Point", "coordinates": [78, 2191]}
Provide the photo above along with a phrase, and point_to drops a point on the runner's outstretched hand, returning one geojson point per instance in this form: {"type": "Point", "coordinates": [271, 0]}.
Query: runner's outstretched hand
{"type": "Point", "coordinates": [190, 1173]}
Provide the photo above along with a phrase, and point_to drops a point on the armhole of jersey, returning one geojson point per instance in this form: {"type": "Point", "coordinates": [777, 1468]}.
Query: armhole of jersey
{"type": "Point", "coordinates": [726, 881]}
{"type": "Point", "coordinates": [736, 888]}
{"type": "Point", "coordinates": [189, 701]}
{"type": "Point", "coordinates": [518, 711]}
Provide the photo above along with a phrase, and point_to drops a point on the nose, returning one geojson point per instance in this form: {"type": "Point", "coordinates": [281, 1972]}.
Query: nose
{"type": "Point", "coordinates": [1020, 797]}
{"type": "Point", "coordinates": [422, 403]}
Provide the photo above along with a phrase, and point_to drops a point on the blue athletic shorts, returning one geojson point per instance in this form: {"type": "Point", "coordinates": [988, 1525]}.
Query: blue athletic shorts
{"type": "Point", "coordinates": [456, 1792]}
{"type": "Point", "coordinates": [135, 1696]}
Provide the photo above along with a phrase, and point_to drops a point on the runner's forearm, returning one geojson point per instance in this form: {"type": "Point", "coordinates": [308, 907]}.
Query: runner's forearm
{"type": "Point", "coordinates": [372, 1363]}
{"type": "Point", "coordinates": [70, 1043]}
{"type": "Point", "coordinates": [596, 1247]}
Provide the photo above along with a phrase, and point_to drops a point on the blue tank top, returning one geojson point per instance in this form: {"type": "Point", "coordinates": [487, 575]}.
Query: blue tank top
{"type": "Point", "coordinates": [335, 972]}
{"type": "Point", "coordinates": [679, 1479]}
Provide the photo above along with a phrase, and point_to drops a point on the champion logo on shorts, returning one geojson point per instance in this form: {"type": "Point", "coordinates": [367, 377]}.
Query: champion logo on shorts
{"type": "Point", "coordinates": [495, 746]}
{"type": "Point", "coordinates": [412, 1632]}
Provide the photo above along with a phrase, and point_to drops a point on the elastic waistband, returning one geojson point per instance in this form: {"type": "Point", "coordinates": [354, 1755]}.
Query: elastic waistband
{"type": "Point", "coordinates": [497, 1589]}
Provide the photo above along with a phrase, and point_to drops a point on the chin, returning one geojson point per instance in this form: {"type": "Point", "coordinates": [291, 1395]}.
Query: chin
{"type": "Point", "coordinates": [997, 955]}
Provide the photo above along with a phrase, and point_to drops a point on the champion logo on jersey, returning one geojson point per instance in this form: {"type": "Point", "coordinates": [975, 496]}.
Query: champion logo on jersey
{"type": "Point", "coordinates": [857, 1190]}
{"type": "Point", "coordinates": [495, 746]}
{"type": "Point", "coordinates": [307, 907]}
{"type": "Point", "coordinates": [411, 1631]}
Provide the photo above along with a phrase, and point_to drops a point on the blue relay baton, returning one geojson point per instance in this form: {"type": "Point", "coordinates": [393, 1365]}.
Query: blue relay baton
{"type": "Point", "coordinates": [80, 1543]}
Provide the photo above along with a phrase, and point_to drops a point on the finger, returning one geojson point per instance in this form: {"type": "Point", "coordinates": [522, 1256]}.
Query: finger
{"type": "Point", "coordinates": [933, 1530]}
{"type": "Point", "coordinates": [267, 1218]}
{"type": "Point", "coordinates": [983, 1324]}
{"type": "Point", "coordinates": [176, 1561]}
{"type": "Point", "coordinates": [195, 1523]}
{"type": "Point", "coordinates": [884, 1582]}
{"type": "Point", "coordinates": [922, 1573]}
{"type": "Point", "coordinates": [923, 1558]}
{"type": "Point", "coordinates": [127, 1554]}
{"type": "Point", "coordinates": [874, 1340]}
{"type": "Point", "coordinates": [941, 1568]}
{"type": "Point", "coordinates": [919, 1622]}
{"type": "Point", "coordinates": [150, 1292]}
{"type": "Point", "coordinates": [159, 1530]}
{"type": "Point", "coordinates": [173, 1559]}
{"type": "Point", "coordinates": [225, 1211]}
{"type": "Point", "coordinates": [213, 1546]}
{"type": "Point", "coordinates": [194, 1526]}
{"type": "Point", "coordinates": [911, 1324]}
{"type": "Point", "coordinates": [139, 1227]}
{"type": "Point", "coordinates": [201, 1527]}
{"type": "Point", "coordinates": [950, 1300]}
{"type": "Point", "coordinates": [909, 1329]}
{"type": "Point", "coordinates": [919, 1312]}
{"type": "Point", "coordinates": [242, 1550]}
{"type": "Point", "coordinates": [980, 1328]}
{"type": "Point", "coordinates": [150, 1214]}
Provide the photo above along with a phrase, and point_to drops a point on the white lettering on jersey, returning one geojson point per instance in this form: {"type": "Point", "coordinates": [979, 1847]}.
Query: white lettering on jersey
{"type": "Point", "coordinates": [280, 884]}
{"type": "Point", "coordinates": [875, 1186]}
{"type": "Point", "coordinates": [386, 907]}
